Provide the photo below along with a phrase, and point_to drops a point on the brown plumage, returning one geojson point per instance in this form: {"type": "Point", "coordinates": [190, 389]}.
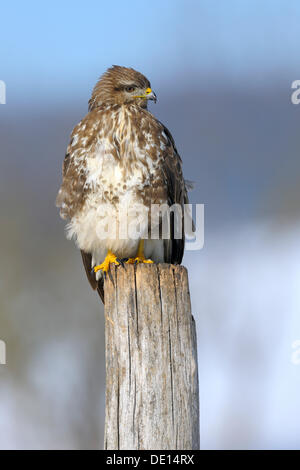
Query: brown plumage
{"type": "Point", "coordinates": [119, 154]}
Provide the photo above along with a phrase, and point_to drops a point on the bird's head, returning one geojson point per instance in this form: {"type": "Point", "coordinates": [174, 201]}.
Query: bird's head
{"type": "Point", "coordinates": [122, 85]}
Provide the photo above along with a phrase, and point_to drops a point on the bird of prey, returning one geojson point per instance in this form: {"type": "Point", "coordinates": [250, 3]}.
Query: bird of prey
{"type": "Point", "coordinates": [120, 155]}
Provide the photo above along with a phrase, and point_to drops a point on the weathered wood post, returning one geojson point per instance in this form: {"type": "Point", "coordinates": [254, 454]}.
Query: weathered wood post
{"type": "Point", "coordinates": [152, 393]}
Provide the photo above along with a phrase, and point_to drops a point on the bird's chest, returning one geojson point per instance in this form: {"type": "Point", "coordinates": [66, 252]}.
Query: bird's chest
{"type": "Point", "coordinates": [118, 173]}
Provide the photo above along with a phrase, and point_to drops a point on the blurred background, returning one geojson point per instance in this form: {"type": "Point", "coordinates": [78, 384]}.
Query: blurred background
{"type": "Point", "coordinates": [223, 73]}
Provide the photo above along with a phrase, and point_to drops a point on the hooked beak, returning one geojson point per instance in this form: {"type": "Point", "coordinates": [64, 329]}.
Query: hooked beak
{"type": "Point", "coordinates": [150, 95]}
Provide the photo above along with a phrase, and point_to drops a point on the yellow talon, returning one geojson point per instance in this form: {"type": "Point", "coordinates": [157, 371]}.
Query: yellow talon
{"type": "Point", "coordinates": [140, 257]}
{"type": "Point", "coordinates": [110, 259]}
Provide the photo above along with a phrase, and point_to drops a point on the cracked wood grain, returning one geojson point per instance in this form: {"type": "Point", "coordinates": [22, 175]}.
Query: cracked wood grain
{"type": "Point", "coordinates": [152, 396]}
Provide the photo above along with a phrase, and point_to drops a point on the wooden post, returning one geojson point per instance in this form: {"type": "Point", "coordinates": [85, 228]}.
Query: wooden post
{"type": "Point", "coordinates": [152, 398]}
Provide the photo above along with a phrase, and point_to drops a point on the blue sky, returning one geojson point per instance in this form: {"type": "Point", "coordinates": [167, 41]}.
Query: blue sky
{"type": "Point", "coordinates": [60, 47]}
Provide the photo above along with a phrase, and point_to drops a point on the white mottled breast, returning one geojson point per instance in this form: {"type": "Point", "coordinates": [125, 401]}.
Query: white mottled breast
{"type": "Point", "coordinates": [116, 170]}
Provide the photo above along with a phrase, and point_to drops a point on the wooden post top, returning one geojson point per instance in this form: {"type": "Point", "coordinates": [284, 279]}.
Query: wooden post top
{"type": "Point", "coordinates": [151, 359]}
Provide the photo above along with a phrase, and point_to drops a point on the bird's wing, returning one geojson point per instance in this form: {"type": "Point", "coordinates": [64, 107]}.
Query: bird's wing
{"type": "Point", "coordinates": [176, 194]}
{"type": "Point", "coordinates": [73, 191]}
{"type": "Point", "coordinates": [71, 194]}
{"type": "Point", "coordinates": [99, 285]}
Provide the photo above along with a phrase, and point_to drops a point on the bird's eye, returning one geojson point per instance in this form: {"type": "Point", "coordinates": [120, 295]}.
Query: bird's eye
{"type": "Point", "coordinates": [130, 88]}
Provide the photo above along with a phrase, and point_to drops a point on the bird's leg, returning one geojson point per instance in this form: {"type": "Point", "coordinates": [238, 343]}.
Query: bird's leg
{"type": "Point", "coordinates": [140, 257]}
{"type": "Point", "coordinates": [109, 259]}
